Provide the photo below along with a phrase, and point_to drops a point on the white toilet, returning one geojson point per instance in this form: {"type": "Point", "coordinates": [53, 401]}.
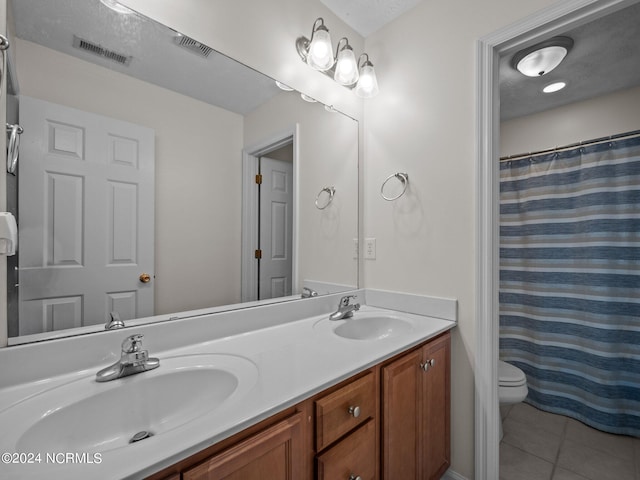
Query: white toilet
{"type": "Point", "coordinates": [512, 385]}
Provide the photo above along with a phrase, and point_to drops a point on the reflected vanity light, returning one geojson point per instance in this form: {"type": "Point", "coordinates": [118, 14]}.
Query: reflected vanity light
{"type": "Point", "coordinates": [343, 68]}
{"type": "Point", "coordinates": [284, 87]}
{"type": "Point", "coordinates": [116, 7]}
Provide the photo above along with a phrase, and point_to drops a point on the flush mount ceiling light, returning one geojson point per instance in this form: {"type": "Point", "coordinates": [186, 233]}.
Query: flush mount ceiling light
{"type": "Point", "coordinates": [543, 57]}
{"type": "Point", "coordinates": [554, 87]}
{"type": "Point", "coordinates": [343, 68]}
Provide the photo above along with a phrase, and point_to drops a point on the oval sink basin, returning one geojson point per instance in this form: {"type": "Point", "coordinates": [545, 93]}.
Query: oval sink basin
{"type": "Point", "coordinates": [86, 416]}
{"type": "Point", "coordinates": [372, 328]}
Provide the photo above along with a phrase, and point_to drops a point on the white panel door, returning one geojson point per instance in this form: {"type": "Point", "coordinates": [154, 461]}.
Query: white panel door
{"type": "Point", "coordinates": [276, 236]}
{"type": "Point", "coordinates": [89, 180]}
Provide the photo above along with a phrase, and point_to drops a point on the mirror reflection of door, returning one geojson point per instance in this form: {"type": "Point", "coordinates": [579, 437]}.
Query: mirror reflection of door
{"type": "Point", "coordinates": [275, 268]}
{"type": "Point", "coordinates": [89, 179]}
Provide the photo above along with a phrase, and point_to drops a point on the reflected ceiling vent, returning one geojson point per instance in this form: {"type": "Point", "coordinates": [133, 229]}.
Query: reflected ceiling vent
{"type": "Point", "coordinates": [87, 46]}
{"type": "Point", "coordinates": [192, 45]}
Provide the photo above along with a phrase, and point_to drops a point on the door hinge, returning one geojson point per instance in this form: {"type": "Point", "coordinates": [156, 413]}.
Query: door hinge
{"type": "Point", "coordinates": [259, 179]}
{"type": "Point", "coordinates": [258, 254]}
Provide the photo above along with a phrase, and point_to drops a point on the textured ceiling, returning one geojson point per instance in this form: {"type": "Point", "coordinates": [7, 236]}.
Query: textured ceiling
{"type": "Point", "coordinates": [605, 58]}
{"type": "Point", "coordinates": [367, 16]}
{"type": "Point", "coordinates": [217, 80]}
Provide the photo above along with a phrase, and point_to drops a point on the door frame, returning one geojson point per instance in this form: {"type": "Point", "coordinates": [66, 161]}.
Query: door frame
{"type": "Point", "coordinates": [250, 208]}
{"type": "Point", "coordinates": [557, 18]}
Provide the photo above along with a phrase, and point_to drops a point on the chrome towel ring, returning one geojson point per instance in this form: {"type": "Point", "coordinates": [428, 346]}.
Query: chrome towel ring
{"type": "Point", "coordinates": [13, 146]}
{"type": "Point", "coordinates": [331, 192]}
{"type": "Point", "coordinates": [403, 178]}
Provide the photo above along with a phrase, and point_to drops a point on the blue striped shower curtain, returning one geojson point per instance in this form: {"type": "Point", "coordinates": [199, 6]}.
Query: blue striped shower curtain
{"type": "Point", "coordinates": [570, 281]}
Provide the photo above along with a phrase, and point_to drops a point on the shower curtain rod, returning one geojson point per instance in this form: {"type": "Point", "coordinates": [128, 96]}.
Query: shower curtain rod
{"type": "Point", "coordinates": [595, 141]}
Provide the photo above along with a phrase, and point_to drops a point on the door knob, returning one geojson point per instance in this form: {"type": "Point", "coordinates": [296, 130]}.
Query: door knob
{"type": "Point", "coordinates": [145, 277]}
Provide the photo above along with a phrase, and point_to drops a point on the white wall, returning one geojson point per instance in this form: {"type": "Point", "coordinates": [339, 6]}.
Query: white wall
{"type": "Point", "coordinates": [327, 156]}
{"type": "Point", "coordinates": [423, 123]}
{"type": "Point", "coordinates": [198, 171]}
{"type": "Point", "coordinates": [599, 117]}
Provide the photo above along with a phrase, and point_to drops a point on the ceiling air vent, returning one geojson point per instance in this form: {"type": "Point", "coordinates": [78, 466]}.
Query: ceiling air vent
{"type": "Point", "coordinates": [192, 45]}
{"type": "Point", "coordinates": [87, 46]}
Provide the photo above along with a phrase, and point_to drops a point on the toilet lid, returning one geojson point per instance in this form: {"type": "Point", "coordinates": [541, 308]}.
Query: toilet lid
{"type": "Point", "coordinates": [510, 375]}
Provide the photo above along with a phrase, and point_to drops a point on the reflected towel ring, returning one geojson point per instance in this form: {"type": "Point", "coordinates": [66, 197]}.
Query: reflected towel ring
{"type": "Point", "coordinates": [331, 191]}
{"type": "Point", "coordinates": [404, 179]}
{"type": "Point", "coordinates": [13, 147]}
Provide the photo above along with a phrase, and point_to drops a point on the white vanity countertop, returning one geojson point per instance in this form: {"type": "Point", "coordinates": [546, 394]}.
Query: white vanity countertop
{"type": "Point", "coordinates": [293, 360]}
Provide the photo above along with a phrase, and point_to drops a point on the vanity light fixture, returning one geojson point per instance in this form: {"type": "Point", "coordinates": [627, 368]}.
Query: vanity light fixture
{"type": "Point", "coordinates": [319, 50]}
{"type": "Point", "coordinates": [343, 68]}
{"type": "Point", "coordinates": [307, 98]}
{"type": "Point", "coordinates": [346, 69]}
{"type": "Point", "coordinates": [543, 57]}
{"type": "Point", "coordinates": [367, 86]}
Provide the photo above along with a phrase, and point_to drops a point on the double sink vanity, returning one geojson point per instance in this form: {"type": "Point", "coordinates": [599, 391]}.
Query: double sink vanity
{"type": "Point", "coordinates": [275, 391]}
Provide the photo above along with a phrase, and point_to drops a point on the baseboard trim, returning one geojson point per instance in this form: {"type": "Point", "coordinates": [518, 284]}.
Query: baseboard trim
{"type": "Point", "coordinates": [451, 475]}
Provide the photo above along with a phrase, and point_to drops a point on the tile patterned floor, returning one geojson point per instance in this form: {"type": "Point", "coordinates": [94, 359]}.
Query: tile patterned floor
{"type": "Point", "coordinates": [542, 446]}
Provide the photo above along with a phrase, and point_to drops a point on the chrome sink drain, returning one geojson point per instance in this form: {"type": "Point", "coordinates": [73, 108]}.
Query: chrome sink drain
{"type": "Point", "coordinates": [140, 436]}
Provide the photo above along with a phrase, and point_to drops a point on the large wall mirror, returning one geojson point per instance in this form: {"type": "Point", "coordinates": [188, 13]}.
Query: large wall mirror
{"type": "Point", "coordinates": [158, 178]}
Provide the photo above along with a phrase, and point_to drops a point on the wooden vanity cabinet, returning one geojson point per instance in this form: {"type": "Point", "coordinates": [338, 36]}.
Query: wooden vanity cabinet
{"type": "Point", "coordinates": [416, 413]}
{"type": "Point", "coordinates": [389, 422]}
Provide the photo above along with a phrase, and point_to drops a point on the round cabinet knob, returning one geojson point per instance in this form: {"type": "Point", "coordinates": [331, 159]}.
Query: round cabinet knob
{"type": "Point", "coordinates": [145, 277]}
{"type": "Point", "coordinates": [355, 412]}
{"type": "Point", "coordinates": [354, 477]}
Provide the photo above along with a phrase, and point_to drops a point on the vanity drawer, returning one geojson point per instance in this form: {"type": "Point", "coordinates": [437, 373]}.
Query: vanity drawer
{"type": "Point", "coordinates": [344, 409]}
{"type": "Point", "coordinates": [353, 457]}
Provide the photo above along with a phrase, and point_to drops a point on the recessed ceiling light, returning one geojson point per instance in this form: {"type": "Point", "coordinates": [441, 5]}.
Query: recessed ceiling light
{"type": "Point", "coordinates": [554, 87]}
{"type": "Point", "coordinates": [543, 57]}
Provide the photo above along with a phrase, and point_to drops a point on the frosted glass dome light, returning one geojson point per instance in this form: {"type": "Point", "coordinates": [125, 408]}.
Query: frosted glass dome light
{"type": "Point", "coordinates": [542, 58]}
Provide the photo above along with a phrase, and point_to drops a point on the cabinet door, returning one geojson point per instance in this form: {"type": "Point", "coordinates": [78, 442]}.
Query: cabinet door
{"type": "Point", "coordinates": [401, 417]}
{"type": "Point", "coordinates": [436, 404]}
{"type": "Point", "coordinates": [274, 453]}
{"type": "Point", "coordinates": [416, 413]}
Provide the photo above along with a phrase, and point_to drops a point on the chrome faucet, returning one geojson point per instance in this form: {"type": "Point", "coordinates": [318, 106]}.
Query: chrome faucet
{"type": "Point", "coordinates": [308, 292]}
{"type": "Point", "coordinates": [132, 360]}
{"type": "Point", "coordinates": [345, 308]}
{"type": "Point", "coordinates": [114, 322]}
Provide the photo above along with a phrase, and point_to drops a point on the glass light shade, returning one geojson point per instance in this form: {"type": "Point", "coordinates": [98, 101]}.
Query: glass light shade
{"type": "Point", "coordinates": [116, 7]}
{"type": "Point", "coordinates": [541, 61]}
{"type": "Point", "coordinates": [367, 86]}
{"type": "Point", "coordinates": [554, 87]}
{"type": "Point", "coordinates": [346, 67]}
{"type": "Point", "coordinates": [320, 54]}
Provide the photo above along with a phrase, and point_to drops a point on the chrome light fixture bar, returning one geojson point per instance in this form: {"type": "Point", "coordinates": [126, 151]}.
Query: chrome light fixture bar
{"type": "Point", "coordinates": [317, 52]}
